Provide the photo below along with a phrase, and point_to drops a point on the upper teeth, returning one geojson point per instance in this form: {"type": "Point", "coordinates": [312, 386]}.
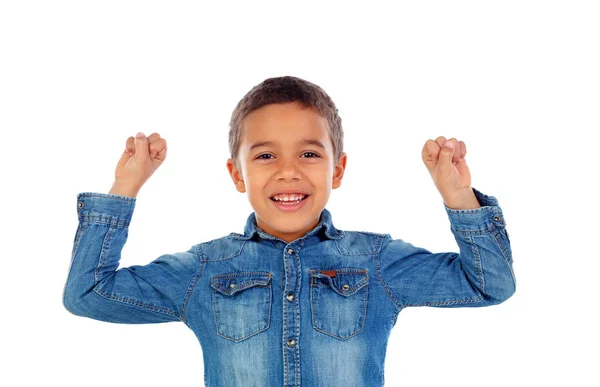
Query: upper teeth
{"type": "Point", "coordinates": [286, 198]}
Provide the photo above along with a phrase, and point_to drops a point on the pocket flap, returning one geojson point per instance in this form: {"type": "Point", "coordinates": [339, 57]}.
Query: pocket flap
{"type": "Point", "coordinates": [231, 283]}
{"type": "Point", "coordinates": [345, 281]}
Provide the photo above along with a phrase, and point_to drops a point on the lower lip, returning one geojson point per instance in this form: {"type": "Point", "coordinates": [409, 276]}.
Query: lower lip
{"type": "Point", "coordinates": [290, 207]}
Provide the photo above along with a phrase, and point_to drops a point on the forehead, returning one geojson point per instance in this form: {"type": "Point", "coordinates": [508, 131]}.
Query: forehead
{"type": "Point", "coordinates": [283, 123]}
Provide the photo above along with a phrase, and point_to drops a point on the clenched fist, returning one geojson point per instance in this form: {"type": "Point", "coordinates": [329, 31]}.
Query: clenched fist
{"type": "Point", "coordinates": [141, 157]}
{"type": "Point", "coordinates": [445, 161]}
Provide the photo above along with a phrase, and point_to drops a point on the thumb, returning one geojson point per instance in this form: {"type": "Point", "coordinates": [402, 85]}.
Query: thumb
{"type": "Point", "coordinates": [445, 158]}
{"type": "Point", "coordinates": [141, 147]}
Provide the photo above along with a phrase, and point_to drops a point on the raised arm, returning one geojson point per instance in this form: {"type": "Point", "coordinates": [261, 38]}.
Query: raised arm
{"type": "Point", "coordinates": [96, 288]}
{"type": "Point", "coordinates": [480, 275]}
{"type": "Point", "coordinates": [154, 293]}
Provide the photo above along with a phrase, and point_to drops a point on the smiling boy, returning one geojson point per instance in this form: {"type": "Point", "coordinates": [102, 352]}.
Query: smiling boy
{"type": "Point", "coordinates": [286, 149]}
{"type": "Point", "coordinates": [293, 301]}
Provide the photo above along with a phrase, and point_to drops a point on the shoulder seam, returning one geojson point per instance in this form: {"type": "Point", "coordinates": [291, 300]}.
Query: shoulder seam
{"type": "Point", "coordinates": [371, 233]}
{"type": "Point", "coordinates": [193, 281]}
{"type": "Point", "coordinates": [399, 304]}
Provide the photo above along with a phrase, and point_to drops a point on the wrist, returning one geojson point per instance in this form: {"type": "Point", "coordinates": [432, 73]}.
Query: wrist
{"type": "Point", "coordinates": [463, 201]}
{"type": "Point", "coordinates": [124, 189]}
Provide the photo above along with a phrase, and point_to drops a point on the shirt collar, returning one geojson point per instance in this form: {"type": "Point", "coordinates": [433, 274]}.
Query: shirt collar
{"type": "Point", "coordinates": [325, 224]}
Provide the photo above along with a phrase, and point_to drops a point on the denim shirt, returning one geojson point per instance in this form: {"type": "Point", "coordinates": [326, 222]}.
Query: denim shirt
{"type": "Point", "coordinates": [317, 311]}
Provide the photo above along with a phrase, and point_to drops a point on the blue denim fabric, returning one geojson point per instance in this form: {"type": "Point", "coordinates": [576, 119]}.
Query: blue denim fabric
{"type": "Point", "coordinates": [314, 312]}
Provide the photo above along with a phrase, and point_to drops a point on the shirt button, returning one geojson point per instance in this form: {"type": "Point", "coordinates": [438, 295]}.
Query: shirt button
{"type": "Point", "coordinates": [290, 251]}
{"type": "Point", "coordinates": [80, 205]}
{"type": "Point", "coordinates": [290, 297]}
{"type": "Point", "coordinates": [291, 342]}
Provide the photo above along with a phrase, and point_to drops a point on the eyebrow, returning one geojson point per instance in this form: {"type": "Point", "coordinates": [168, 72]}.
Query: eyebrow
{"type": "Point", "coordinates": [307, 141]}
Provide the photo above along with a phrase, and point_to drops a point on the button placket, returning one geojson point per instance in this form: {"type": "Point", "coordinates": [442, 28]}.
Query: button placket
{"type": "Point", "coordinates": [290, 296]}
{"type": "Point", "coordinates": [290, 316]}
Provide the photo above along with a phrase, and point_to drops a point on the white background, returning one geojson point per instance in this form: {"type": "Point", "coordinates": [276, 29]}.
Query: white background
{"type": "Point", "coordinates": [518, 81]}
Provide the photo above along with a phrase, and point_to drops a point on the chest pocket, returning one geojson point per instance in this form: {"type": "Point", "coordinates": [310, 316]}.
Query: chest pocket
{"type": "Point", "coordinates": [338, 299]}
{"type": "Point", "coordinates": [241, 304]}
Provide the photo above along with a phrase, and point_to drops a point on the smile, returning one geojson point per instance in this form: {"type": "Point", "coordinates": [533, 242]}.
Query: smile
{"type": "Point", "coordinates": [288, 206]}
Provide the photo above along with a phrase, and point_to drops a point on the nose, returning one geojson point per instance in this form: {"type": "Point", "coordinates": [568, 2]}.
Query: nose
{"type": "Point", "coordinates": [288, 170]}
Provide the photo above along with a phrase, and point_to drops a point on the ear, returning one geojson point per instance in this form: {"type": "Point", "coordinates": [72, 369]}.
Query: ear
{"type": "Point", "coordinates": [236, 176]}
{"type": "Point", "coordinates": [338, 171]}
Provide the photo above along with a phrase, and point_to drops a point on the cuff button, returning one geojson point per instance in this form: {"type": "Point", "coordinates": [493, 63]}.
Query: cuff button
{"type": "Point", "coordinates": [80, 205]}
{"type": "Point", "coordinates": [497, 218]}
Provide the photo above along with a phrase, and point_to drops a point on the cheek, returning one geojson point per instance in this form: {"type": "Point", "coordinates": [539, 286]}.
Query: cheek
{"type": "Point", "coordinates": [322, 181]}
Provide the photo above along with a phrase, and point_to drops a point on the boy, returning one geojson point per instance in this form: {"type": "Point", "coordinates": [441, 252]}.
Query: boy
{"type": "Point", "coordinates": [293, 301]}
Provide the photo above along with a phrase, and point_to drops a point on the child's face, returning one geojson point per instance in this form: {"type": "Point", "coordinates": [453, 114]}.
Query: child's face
{"type": "Point", "coordinates": [285, 164]}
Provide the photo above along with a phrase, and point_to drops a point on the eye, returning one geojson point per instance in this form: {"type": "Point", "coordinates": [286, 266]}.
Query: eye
{"type": "Point", "coordinates": [260, 157]}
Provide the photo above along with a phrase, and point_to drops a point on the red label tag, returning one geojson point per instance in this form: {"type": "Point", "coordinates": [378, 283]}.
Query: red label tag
{"type": "Point", "coordinates": [330, 273]}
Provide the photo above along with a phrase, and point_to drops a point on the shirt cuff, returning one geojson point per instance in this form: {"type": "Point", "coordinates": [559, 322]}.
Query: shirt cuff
{"type": "Point", "coordinates": [477, 219]}
{"type": "Point", "coordinates": [105, 208]}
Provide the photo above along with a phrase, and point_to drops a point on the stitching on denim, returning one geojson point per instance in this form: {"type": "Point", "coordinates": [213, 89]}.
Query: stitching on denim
{"type": "Point", "coordinates": [192, 283]}
{"type": "Point", "coordinates": [78, 235]}
{"type": "Point", "coordinates": [478, 263]}
{"type": "Point", "coordinates": [242, 273]}
{"type": "Point", "coordinates": [82, 227]}
{"type": "Point", "coordinates": [296, 352]}
{"type": "Point", "coordinates": [364, 313]}
{"type": "Point", "coordinates": [497, 237]}
{"type": "Point", "coordinates": [115, 197]}
{"type": "Point", "coordinates": [105, 246]}
{"type": "Point", "coordinates": [296, 349]}
{"type": "Point", "coordinates": [108, 220]}
{"type": "Point", "coordinates": [395, 316]}
{"type": "Point", "coordinates": [246, 285]}
{"type": "Point", "coordinates": [449, 302]}
{"type": "Point", "coordinates": [371, 233]}
{"type": "Point", "coordinates": [505, 255]}
{"type": "Point", "coordinates": [285, 351]}
{"type": "Point", "coordinates": [374, 251]}
{"type": "Point", "coordinates": [240, 250]}
{"type": "Point", "coordinates": [479, 231]}
{"type": "Point", "coordinates": [379, 275]}
{"type": "Point", "coordinates": [354, 289]}
{"type": "Point", "coordinates": [133, 301]}
{"type": "Point", "coordinates": [362, 323]}
{"type": "Point", "coordinates": [285, 332]}
{"type": "Point", "coordinates": [235, 235]}
{"type": "Point", "coordinates": [127, 300]}
{"type": "Point", "coordinates": [270, 302]}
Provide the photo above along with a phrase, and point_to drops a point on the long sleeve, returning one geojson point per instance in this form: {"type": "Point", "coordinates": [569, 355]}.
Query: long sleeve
{"type": "Point", "coordinates": [153, 293]}
{"type": "Point", "coordinates": [480, 275]}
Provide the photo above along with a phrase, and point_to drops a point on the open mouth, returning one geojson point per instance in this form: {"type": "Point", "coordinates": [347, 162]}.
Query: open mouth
{"type": "Point", "coordinates": [289, 202]}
